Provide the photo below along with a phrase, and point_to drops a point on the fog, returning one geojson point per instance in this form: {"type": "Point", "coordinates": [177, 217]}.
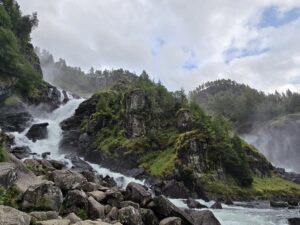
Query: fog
{"type": "Point", "coordinates": [279, 141]}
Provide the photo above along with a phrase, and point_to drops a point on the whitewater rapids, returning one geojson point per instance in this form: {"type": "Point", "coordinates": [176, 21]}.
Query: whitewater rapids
{"type": "Point", "coordinates": [229, 215]}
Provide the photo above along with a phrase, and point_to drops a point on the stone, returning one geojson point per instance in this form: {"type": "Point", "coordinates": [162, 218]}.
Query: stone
{"type": "Point", "coordinates": [58, 165]}
{"type": "Point", "coordinates": [75, 200]}
{"type": "Point", "coordinates": [43, 196]}
{"type": "Point", "coordinates": [90, 222]}
{"type": "Point", "coordinates": [217, 205]}
{"type": "Point", "coordinates": [11, 216]}
{"type": "Point", "coordinates": [45, 155]}
{"type": "Point", "coordinates": [98, 195]}
{"type": "Point", "coordinates": [137, 193]}
{"type": "Point", "coordinates": [73, 218]}
{"type": "Point", "coordinates": [66, 97]}
{"type": "Point", "coordinates": [96, 210]}
{"type": "Point", "coordinates": [148, 217]}
{"type": "Point", "coordinates": [79, 165]}
{"type": "Point", "coordinates": [48, 215]}
{"type": "Point", "coordinates": [164, 208]}
{"type": "Point", "coordinates": [175, 189]}
{"type": "Point", "coordinates": [170, 221]}
{"type": "Point", "coordinates": [113, 214]}
{"type": "Point", "coordinates": [293, 202]}
{"type": "Point", "coordinates": [130, 216]}
{"type": "Point", "coordinates": [38, 132]}
{"type": "Point", "coordinates": [185, 120]}
{"type": "Point", "coordinates": [68, 180]}
{"type": "Point", "coordinates": [294, 221]}
{"type": "Point", "coordinates": [129, 203]}
{"type": "Point", "coordinates": [54, 222]}
{"type": "Point", "coordinates": [279, 204]}
{"type": "Point", "coordinates": [114, 198]}
{"type": "Point", "coordinates": [191, 203]}
{"type": "Point", "coordinates": [21, 152]}
{"type": "Point", "coordinates": [15, 121]}
{"type": "Point", "coordinates": [8, 174]}
{"type": "Point", "coordinates": [203, 217]}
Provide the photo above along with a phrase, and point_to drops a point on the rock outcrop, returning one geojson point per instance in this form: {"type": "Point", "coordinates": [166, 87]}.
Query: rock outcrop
{"type": "Point", "coordinates": [38, 132]}
{"type": "Point", "coordinates": [10, 216]}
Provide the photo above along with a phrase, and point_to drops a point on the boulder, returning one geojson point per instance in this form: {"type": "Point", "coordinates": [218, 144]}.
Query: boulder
{"type": "Point", "coordinates": [137, 193]}
{"type": "Point", "coordinates": [130, 216]}
{"type": "Point", "coordinates": [217, 205]}
{"type": "Point", "coordinates": [48, 215]}
{"type": "Point", "coordinates": [129, 203]}
{"type": "Point", "coordinates": [96, 210]}
{"type": "Point", "coordinates": [279, 204]}
{"type": "Point", "coordinates": [90, 187]}
{"type": "Point", "coordinates": [73, 218]}
{"type": "Point", "coordinates": [75, 200]}
{"type": "Point", "coordinates": [114, 197]}
{"type": "Point", "coordinates": [109, 181]}
{"type": "Point", "coordinates": [21, 152]}
{"type": "Point", "coordinates": [38, 132]}
{"type": "Point", "coordinates": [97, 222]}
{"type": "Point", "coordinates": [192, 203]}
{"type": "Point", "coordinates": [170, 221]}
{"type": "Point", "coordinates": [67, 179]}
{"type": "Point", "coordinates": [45, 155]}
{"type": "Point", "coordinates": [148, 217]}
{"type": "Point", "coordinates": [98, 195]}
{"type": "Point", "coordinates": [175, 189]}
{"type": "Point", "coordinates": [44, 196]}
{"type": "Point", "coordinates": [293, 202]}
{"type": "Point", "coordinates": [8, 174]}
{"type": "Point", "coordinates": [228, 201]}
{"type": "Point", "coordinates": [164, 208]}
{"type": "Point", "coordinates": [11, 216]}
{"type": "Point", "coordinates": [66, 97]}
{"type": "Point", "coordinates": [54, 222]}
{"type": "Point", "coordinates": [58, 165]}
{"type": "Point", "coordinates": [294, 221]}
{"type": "Point", "coordinates": [79, 165]}
{"type": "Point", "coordinates": [203, 217]}
{"type": "Point", "coordinates": [113, 214]}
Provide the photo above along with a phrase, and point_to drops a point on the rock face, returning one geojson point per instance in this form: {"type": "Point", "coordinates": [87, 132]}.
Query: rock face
{"type": "Point", "coordinates": [11, 216]}
{"type": "Point", "coordinates": [185, 120]}
{"type": "Point", "coordinates": [38, 132]}
{"type": "Point", "coordinates": [14, 121]}
{"type": "Point", "coordinates": [8, 174]}
{"type": "Point", "coordinates": [44, 196]}
{"type": "Point", "coordinates": [294, 221]}
{"type": "Point", "coordinates": [134, 107]}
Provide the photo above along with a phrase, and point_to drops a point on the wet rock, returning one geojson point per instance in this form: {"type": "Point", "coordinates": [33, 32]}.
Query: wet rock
{"type": "Point", "coordinates": [38, 132]}
{"type": "Point", "coordinates": [78, 164]}
{"type": "Point", "coordinates": [45, 155]}
{"type": "Point", "coordinates": [96, 210]}
{"type": "Point", "coordinates": [75, 200]}
{"type": "Point", "coordinates": [109, 181]}
{"type": "Point", "coordinates": [191, 203]}
{"type": "Point", "coordinates": [48, 215]}
{"type": "Point", "coordinates": [170, 221]}
{"type": "Point", "coordinates": [279, 204]}
{"type": "Point", "coordinates": [54, 222]}
{"type": "Point", "coordinates": [228, 201]}
{"type": "Point", "coordinates": [21, 152]}
{"type": "Point", "coordinates": [175, 189]}
{"type": "Point", "coordinates": [217, 205]}
{"type": "Point", "coordinates": [164, 208]}
{"type": "Point", "coordinates": [203, 217]}
{"type": "Point", "coordinates": [130, 216]}
{"type": "Point", "coordinates": [44, 196]}
{"type": "Point", "coordinates": [294, 221]}
{"type": "Point", "coordinates": [66, 97]}
{"type": "Point", "coordinates": [148, 217]}
{"type": "Point", "coordinates": [73, 218]}
{"type": "Point", "coordinates": [84, 140]}
{"type": "Point", "coordinates": [136, 173]}
{"type": "Point", "coordinates": [137, 193]}
{"type": "Point", "coordinates": [293, 202]}
{"type": "Point", "coordinates": [8, 174]}
{"type": "Point", "coordinates": [15, 121]}
{"type": "Point", "coordinates": [68, 180]}
{"type": "Point", "coordinates": [11, 216]}
{"type": "Point", "coordinates": [58, 165]}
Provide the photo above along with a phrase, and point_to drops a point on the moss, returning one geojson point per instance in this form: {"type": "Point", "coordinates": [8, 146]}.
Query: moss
{"type": "Point", "coordinates": [160, 163]}
{"type": "Point", "coordinates": [12, 100]}
{"type": "Point", "coordinates": [3, 153]}
{"type": "Point", "coordinates": [9, 196]}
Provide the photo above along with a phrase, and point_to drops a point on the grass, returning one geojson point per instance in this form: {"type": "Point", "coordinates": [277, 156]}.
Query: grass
{"type": "Point", "coordinates": [159, 163]}
{"type": "Point", "coordinates": [262, 188]}
{"type": "Point", "coordinates": [12, 100]}
{"type": "Point", "coordinates": [3, 153]}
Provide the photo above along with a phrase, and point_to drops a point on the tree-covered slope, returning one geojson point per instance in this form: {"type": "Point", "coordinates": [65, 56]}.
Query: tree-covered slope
{"type": "Point", "coordinates": [142, 125]}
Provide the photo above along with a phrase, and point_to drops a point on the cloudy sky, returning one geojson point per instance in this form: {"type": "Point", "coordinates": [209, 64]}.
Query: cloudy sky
{"type": "Point", "coordinates": [181, 42]}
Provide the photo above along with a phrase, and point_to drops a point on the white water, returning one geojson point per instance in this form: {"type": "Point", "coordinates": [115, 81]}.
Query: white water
{"type": "Point", "coordinates": [234, 215]}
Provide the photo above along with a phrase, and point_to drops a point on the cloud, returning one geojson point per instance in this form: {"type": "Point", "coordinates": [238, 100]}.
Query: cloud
{"type": "Point", "coordinates": [181, 43]}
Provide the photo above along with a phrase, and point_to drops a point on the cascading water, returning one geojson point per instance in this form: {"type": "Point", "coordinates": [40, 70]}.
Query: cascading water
{"type": "Point", "coordinates": [233, 215]}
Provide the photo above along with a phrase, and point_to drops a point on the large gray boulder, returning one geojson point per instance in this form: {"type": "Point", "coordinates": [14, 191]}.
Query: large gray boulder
{"type": "Point", "coordinates": [148, 217]}
{"type": "Point", "coordinates": [137, 193]}
{"type": "Point", "coordinates": [48, 215]}
{"type": "Point", "coordinates": [192, 203]}
{"type": "Point", "coordinates": [170, 221]}
{"type": "Point", "coordinates": [44, 196]}
{"type": "Point", "coordinates": [130, 216]}
{"type": "Point", "coordinates": [38, 131]}
{"type": "Point", "coordinates": [96, 210]}
{"type": "Point", "coordinates": [203, 217]}
{"type": "Point", "coordinates": [75, 200]}
{"type": "Point", "coordinates": [68, 180]}
{"type": "Point", "coordinates": [11, 216]}
{"type": "Point", "coordinates": [164, 208]}
{"type": "Point", "coordinates": [8, 174]}
{"type": "Point", "coordinates": [73, 218]}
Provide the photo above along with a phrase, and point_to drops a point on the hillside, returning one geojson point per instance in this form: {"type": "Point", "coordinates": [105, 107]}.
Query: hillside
{"type": "Point", "coordinates": [143, 130]}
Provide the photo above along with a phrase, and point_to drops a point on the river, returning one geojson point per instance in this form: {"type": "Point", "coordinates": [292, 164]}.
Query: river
{"type": "Point", "coordinates": [258, 213]}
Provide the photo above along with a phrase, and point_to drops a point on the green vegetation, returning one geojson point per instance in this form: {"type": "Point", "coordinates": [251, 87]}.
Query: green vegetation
{"type": "Point", "coordinates": [3, 153]}
{"type": "Point", "coordinates": [9, 196]}
{"type": "Point", "coordinates": [244, 105]}
{"type": "Point", "coordinates": [17, 59]}
{"type": "Point", "coordinates": [272, 187]}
